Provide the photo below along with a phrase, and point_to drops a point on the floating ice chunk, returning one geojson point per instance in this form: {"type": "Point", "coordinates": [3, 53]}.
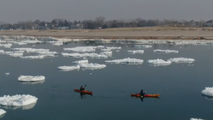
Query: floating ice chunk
{"type": "Point", "coordinates": [6, 45]}
{"type": "Point", "coordinates": [92, 66]}
{"type": "Point", "coordinates": [107, 53]}
{"type": "Point", "coordinates": [80, 55]}
{"type": "Point", "coordinates": [17, 100]}
{"type": "Point", "coordinates": [7, 73]}
{"type": "Point", "coordinates": [165, 51]}
{"type": "Point", "coordinates": [113, 48]}
{"type": "Point", "coordinates": [182, 60]}
{"type": "Point", "coordinates": [1, 51]}
{"type": "Point", "coordinates": [21, 43]}
{"type": "Point", "coordinates": [100, 46]}
{"type": "Point", "coordinates": [18, 42]}
{"type": "Point", "coordinates": [31, 50]}
{"type": "Point", "coordinates": [81, 49]}
{"type": "Point", "coordinates": [26, 107]}
{"type": "Point", "coordinates": [208, 91]}
{"type": "Point", "coordinates": [27, 78]}
{"type": "Point", "coordinates": [47, 54]}
{"type": "Point", "coordinates": [136, 51]}
{"type": "Point", "coordinates": [126, 61]}
{"type": "Point", "coordinates": [69, 68]}
{"type": "Point", "coordinates": [143, 46]}
{"type": "Point", "coordinates": [3, 41]}
{"type": "Point", "coordinates": [81, 61]}
{"type": "Point", "coordinates": [104, 50]}
{"type": "Point", "coordinates": [196, 119]}
{"type": "Point", "coordinates": [14, 54]}
{"type": "Point", "coordinates": [159, 62]}
{"type": "Point", "coordinates": [57, 43]}
{"type": "Point", "coordinates": [33, 57]}
{"type": "Point", "coordinates": [2, 112]}
{"type": "Point", "coordinates": [31, 41]}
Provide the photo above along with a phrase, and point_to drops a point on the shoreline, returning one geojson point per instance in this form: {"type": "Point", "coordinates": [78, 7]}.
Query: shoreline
{"type": "Point", "coordinates": [146, 33]}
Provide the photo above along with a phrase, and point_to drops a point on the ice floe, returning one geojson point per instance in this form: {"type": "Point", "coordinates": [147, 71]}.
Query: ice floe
{"type": "Point", "coordinates": [84, 64]}
{"type": "Point", "coordinates": [1, 51]}
{"type": "Point", "coordinates": [41, 53]}
{"type": "Point", "coordinates": [182, 60]}
{"type": "Point", "coordinates": [84, 48]}
{"type": "Point", "coordinates": [80, 55]}
{"type": "Point", "coordinates": [7, 73]}
{"type": "Point", "coordinates": [113, 48]}
{"type": "Point", "coordinates": [159, 62]}
{"type": "Point", "coordinates": [81, 49]}
{"type": "Point", "coordinates": [92, 66]}
{"type": "Point", "coordinates": [208, 91]}
{"type": "Point", "coordinates": [28, 78]}
{"type": "Point", "coordinates": [104, 50]}
{"type": "Point", "coordinates": [14, 53]}
{"type": "Point", "coordinates": [18, 43]}
{"type": "Point", "coordinates": [81, 62]}
{"type": "Point", "coordinates": [33, 57]}
{"type": "Point", "coordinates": [69, 68]}
{"type": "Point", "coordinates": [165, 51]}
{"type": "Point", "coordinates": [142, 46]}
{"type": "Point", "coordinates": [57, 43]}
{"type": "Point", "coordinates": [31, 50]}
{"type": "Point", "coordinates": [107, 53]}
{"type": "Point", "coordinates": [17, 100]}
{"type": "Point", "coordinates": [126, 61]}
{"type": "Point", "coordinates": [31, 41]}
{"type": "Point", "coordinates": [48, 54]}
{"type": "Point", "coordinates": [196, 119]}
{"type": "Point", "coordinates": [136, 51]}
{"type": "Point", "coordinates": [6, 45]}
{"type": "Point", "coordinates": [2, 112]}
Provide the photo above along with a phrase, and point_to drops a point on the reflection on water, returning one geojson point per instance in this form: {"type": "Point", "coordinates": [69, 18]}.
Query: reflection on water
{"type": "Point", "coordinates": [26, 107]}
{"type": "Point", "coordinates": [207, 97]}
{"type": "Point", "coordinates": [83, 96]}
{"type": "Point", "coordinates": [2, 116]}
{"type": "Point", "coordinates": [143, 98]}
{"type": "Point", "coordinates": [33, 83]}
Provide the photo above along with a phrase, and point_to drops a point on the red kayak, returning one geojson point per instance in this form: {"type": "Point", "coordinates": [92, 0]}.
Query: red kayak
{"type": "Point", "coordinates": [84, 91]}
{"type": "Point", "coordinates": [146, 95]}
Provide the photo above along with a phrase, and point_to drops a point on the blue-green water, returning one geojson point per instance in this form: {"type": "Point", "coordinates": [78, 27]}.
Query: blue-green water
{"type": "Point", "coordinates": [179, 86]}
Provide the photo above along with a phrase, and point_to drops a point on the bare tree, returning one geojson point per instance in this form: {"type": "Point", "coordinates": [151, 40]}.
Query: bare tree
{"type": "Point", "coordinates": [100, 21]}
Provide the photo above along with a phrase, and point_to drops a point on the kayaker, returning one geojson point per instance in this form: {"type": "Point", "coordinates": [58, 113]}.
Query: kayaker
{"type": "Point", "coordinates": [142, 93]}
{"type": "Point", "coordinates": [82, 88]}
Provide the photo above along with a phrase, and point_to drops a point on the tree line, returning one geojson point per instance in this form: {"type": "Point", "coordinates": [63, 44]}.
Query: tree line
{"type": "Point", "coordinates": [101, 23]}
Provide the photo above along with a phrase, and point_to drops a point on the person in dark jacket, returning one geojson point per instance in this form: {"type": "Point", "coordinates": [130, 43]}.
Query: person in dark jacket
{"type": "Point", "coordinates": [142, 93]}
{"type": "Point", "coordinates": [82, 88]}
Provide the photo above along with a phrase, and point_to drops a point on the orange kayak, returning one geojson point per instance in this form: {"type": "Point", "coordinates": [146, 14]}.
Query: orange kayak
{"type": "Point", "coordinates": [84, 91]}
{"type": "Point", "coordinates": [146, 95]}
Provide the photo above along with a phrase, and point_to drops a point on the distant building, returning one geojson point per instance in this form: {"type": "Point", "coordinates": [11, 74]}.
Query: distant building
{"type": "Point", "coordinates": [209, 23]}
{"type": "Point", "coordinates": [77, 26]}
{"type": "Point", "coordinates": [63, 28]}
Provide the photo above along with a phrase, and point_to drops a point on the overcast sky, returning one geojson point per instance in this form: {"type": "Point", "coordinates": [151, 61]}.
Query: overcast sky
{"type": "Point", "coordinates": [22, 10]}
